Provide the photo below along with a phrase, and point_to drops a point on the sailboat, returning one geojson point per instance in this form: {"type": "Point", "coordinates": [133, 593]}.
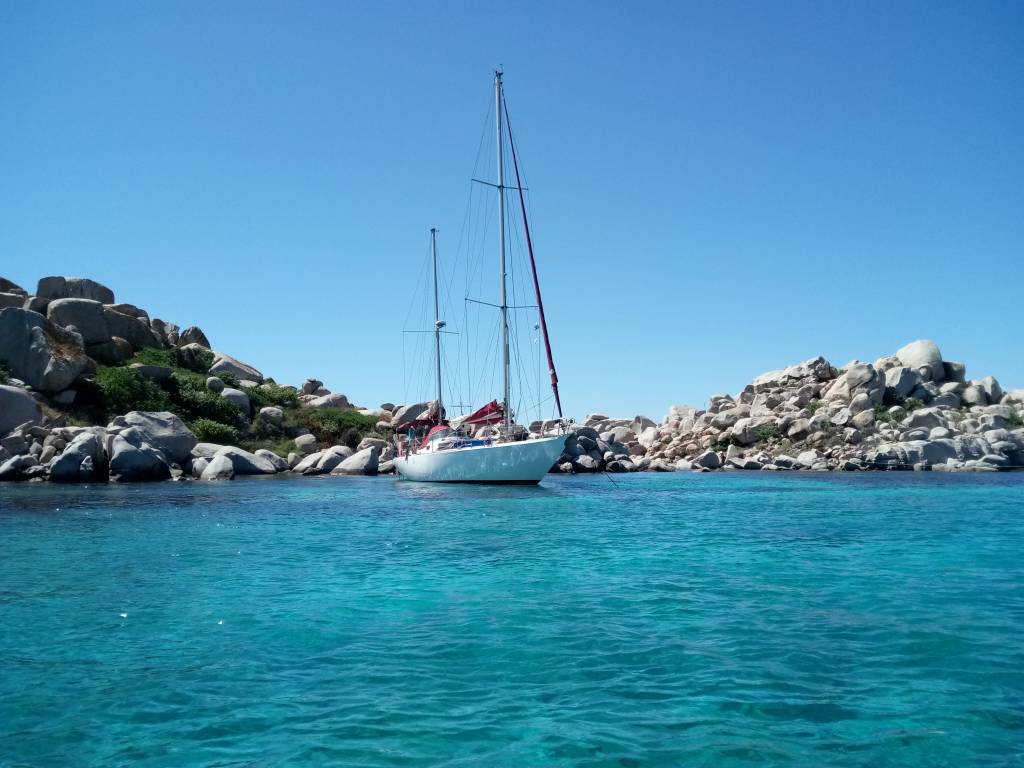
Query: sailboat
{"type": "Point", "coordinates": [487, 446]}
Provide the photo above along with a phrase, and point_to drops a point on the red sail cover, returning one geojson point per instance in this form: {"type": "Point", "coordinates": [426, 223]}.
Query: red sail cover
{"type": "Point", "coordinates": [491, 413]}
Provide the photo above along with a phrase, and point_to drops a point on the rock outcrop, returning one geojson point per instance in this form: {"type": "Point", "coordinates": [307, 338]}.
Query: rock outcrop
{"type": "Point", "coordinates": [40, 353]}
{"type": "Point", "coordinates": [17, 407]}
{"type": "Point", "coordinates": [226, 364]}
{"type": "Point", "coordinates": [911, 410]}
{"type": "Point", "coordinates": [50, 288]}
{"type": "Point", "coordinates": [193, 335]}
{"type": "Point", "coordinates": [160, 429]}
{"type": "Point", "coordinates": [136, 462]}
{"type": "Point", "coordinates": [365, 462]}
{"type": "Point", "coordinates": [83, 461]}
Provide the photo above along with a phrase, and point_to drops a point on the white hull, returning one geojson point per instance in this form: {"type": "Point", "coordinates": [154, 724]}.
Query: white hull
{"type": "Point", "coordinates": [524, 463]}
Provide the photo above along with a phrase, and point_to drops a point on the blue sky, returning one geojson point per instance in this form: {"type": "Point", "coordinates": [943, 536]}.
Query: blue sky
{"type": "Point", "coordinates": [717, 189]}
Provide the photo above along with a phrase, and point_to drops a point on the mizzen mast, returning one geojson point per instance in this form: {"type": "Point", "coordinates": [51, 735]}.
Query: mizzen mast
{"type": "Point", "coordinates": [438, 324]}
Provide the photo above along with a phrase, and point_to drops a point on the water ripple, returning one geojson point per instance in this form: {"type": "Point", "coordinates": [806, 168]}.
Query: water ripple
{"type": "Point", "coordinates": [666, 620]}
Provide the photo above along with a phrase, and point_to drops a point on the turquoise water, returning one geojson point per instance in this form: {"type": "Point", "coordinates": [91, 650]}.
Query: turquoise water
{"type": "Point", "coordinates": [718, 620]}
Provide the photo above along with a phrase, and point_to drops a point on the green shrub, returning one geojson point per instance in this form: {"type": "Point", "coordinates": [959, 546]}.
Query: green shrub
{"type": "Point", "coordinates": [263, 430]}
{"type": "Point", "coordinates": [210, 431]}
{"type": "Point", "coordinates": [123, 390]}
{"type": "Point", "coordinates": [768, 432]}
{"type": "Point", "coordinates": [813, 406]}
{"type": "Point", "coordinates": [332, 424]}
{"type": "Point", "coordinates": [723, 443]}
{"type": "Point", "coordinates": [194, 361]}
{"type": "Point", "coordinates": [1015, 420]}
{"type": "Point", "coordinates": [912, 404]}
{"type": "Point", "coordinates": [271, 395]}
{"type": "Point", "coordinates": [890, 398]}
{"type": "Point", "coordinates": [152, 356]}
{"type": "Point", "coordinates": [229, 379]}
{"type": "Point", "coordinates": [192, 401]}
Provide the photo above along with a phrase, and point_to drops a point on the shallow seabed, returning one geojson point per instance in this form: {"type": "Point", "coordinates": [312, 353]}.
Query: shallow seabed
{"type": "Point", "coordinates": [719, 620]}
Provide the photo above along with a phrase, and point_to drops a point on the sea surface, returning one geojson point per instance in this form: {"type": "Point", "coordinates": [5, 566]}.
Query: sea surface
{"type": "Point", "coordinates": [645, 620]}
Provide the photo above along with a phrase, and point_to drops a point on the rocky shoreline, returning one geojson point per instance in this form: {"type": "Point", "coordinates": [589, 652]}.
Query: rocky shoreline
{"type": "Point", "coordinates": [92, 390]}
{"type": "Point", "coordinates": [908, 411]}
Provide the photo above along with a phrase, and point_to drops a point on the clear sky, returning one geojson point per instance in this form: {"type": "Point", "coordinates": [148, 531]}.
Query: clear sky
{"type": "Point", "coordinates": [717, 189]}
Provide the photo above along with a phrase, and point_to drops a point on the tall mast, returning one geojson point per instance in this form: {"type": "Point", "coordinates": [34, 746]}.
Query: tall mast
{"type": "Point", "coordinates": [533, 268]}
{"type": "Point", "coordinates": [438, 323]}
{"type": "Point", "coordinates": [501, 250]}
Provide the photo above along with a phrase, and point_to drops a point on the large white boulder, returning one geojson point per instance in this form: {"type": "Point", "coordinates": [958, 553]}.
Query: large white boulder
{"type": "Point", "coordinates": [85, 315]}
{"type": "Point", "coordinates": [193, 335]}
{"type": "Point", "coordinates": [332, 457]}
{"type": "Point", "coordinates": [134, 330]}
{"type": "Point", "coordinates": [11, 300]}
{"type": "Point", "coordinates": [74, 288]}
{"type": "Point", "coordinates": [237, 398]}
{"type": "Point", "coordinates": [307, 465]}
{"type": "Point", "coordinates": [365, 462]}
{"type": "Point", "coordinates": [218, 468]}
{"type": "Point", "coordinates": [411, 412]}
{"type": "Point", "coordinates": [902, 380]}
{"type": "Point", "coordinates": [40, 352]}
{"type": "Point", "coordinates": [130, 463]}
{"type": "Point", "coordinates": [167, 333]}
{"type": "Point", "coordinates": [806, 459]}
{"type": "Point", "coordinates": [922, 355]}
{"type": "Point", "coordinates": [163, 430]}
{"type": "Point", "coordinates": [83, 461]}
{"type": "Point", "coordinates": [279, 464]}
{"type": "Point", "coordinates": [333, 400]}
{"type": "Point", "coordinates": [817, 368]}
{"type": "Point", "coordinates": [858, 378]}
{"type": "Point", "coordinates": [14, 468]}
{"type": "Point", "coordinates": [226, 364]}
{"type": "Point", "coordinates": [974, 395]}
{"type": "Point", "coordinates": [245, 463]}
{"type": "Point", "coordinates": [709, 460]}
{"type": "Point", "coordinates": [306, 444]}
{"type": "Point", "coordinates": [205, 450]}
{"type": "Point", "coordinates": [925, 418]}
{"type": "Point", "coordinates": [10, 287]}
{"type": "Point", "coordinates": [272, 415]}
{"type": "Point", "coordinates": [17, 407]}
{"type": "Point", "coordinates": [991, 388]}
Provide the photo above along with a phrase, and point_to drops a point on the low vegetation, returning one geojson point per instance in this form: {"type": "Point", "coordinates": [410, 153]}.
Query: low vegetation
{"type": "Point", "coordinates": [334, 425]}
{"type": "Point", "coordinates": [768, 432]}
{"type": "Point", "coordinates": [118, 389]}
